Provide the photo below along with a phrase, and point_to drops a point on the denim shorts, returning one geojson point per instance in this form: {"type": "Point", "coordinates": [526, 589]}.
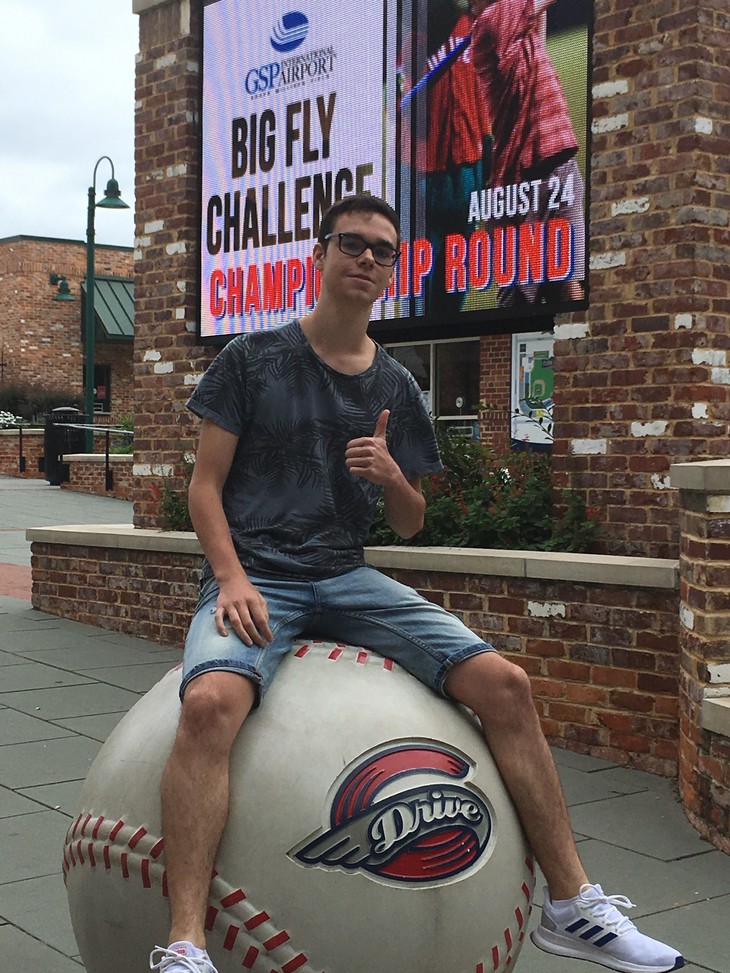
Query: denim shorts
{"type": "Point", "coordinates": [362, 608]}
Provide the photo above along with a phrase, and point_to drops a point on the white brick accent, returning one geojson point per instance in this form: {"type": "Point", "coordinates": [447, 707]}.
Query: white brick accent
{"type": "Point", "coordinates": [173, 248]}
{"type": "Point", "coordinates": [720, 376]}
{"type": "Point", "coordinates": [179, 170]}
{"type": "Point", "coordinates": [164, 368]}
{"type": "Point", "coordinates": [587, 447]}
{"type": "Point", "coordinates": [703, 126]}
{"type": "Point", "coordinates": [686, 617]}
{"type": "Point", "coordinates": [611, 124]}
{"type": "Point", "coordinates": [719, 672]}
{"type": "Point", "coordinates": [193, 378]}
{"type": "Point", "coordinates": [165, 61]}
{"type": "Point", "coordinates": [660, 482]}
{"type": "Point", "coordinates": [609, 88]}
{"type": "Point", "coordinates": [627, 206]}
{"type": "Point", "coordinates": [643, 429]}
{"type": "Point", "coordinates": [152, 356]}
{"type": "Point", "coordinates": [604, 261]}
{"type": "Point", "coordinates": [154, 226]}
{"type": "Point", "coordinates": [709, 356]}
{"type": "Point", "coordinates": [545, 610]}
{"type": "Point", "coordinates": [699, 411]}
{"type": "Point", "coordinates": [718, 505]}
{"type": "Point", "coordinates": [683, 321]}
{"type": "Point", "coordinates": [145, 469]}
{"type": "Point", "coordinates": [566, 331]}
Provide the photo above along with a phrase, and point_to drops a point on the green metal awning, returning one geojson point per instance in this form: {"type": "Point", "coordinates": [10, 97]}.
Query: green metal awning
{"type": "Point", "coordinates": [113, 308]}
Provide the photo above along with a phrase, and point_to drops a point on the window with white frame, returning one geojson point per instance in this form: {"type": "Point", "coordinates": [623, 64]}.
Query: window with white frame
{"type": "Point", "coordinates": [448, 375]}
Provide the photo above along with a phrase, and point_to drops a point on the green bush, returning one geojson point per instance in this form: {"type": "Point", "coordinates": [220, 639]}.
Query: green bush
{"type": "Point", "coordinates": [172, 504]}
{"type": "Point", "coordinates": [123, 445]}
{"type": "Point", "coordinates": [479, 499]}
{"type": "Point", "coordinates": [505, 502]}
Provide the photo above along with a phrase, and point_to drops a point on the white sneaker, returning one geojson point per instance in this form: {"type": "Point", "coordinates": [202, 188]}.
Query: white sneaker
{"type": "Point", "coordinates": [590, 927]}
{"type": "Point", "coordinates": [181, 958]}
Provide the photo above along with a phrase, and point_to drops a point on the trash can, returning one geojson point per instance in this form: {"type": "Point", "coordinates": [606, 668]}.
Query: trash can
{"type": "Point", "coordinates": [59, 439]}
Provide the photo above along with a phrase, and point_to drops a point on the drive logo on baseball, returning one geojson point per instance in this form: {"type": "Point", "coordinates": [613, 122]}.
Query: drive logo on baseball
{"type": "Point", "coordinates": [435, 832]}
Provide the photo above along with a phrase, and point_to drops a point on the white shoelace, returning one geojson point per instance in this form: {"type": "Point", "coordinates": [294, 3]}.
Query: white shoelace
{"type": "Point", "coordinates": [191, 964]}
{"type": "Point", "coordinates": [604, 908]}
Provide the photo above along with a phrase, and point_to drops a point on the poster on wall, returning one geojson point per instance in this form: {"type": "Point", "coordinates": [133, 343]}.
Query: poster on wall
{"type": "Point", "coordinates": [468, 116]}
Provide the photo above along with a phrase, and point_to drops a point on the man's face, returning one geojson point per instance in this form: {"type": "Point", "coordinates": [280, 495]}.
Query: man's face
{"type": "Point", "coordinates": [357, 278]}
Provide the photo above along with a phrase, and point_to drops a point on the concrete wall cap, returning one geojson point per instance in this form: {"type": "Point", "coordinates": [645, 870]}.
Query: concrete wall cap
{"type": "Point", "coordinates": [710, 476]}
{"type": "Point", "coordinates": [97, 458]}
{"type": "Point", "coordinates": [581, 568]}
{"type": "Point", "coordinates": [716, 715]}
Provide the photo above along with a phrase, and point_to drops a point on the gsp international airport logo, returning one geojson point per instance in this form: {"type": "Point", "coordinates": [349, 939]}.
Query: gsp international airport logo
{"type": "Point", "coordinates": [404, 813]}
{"type": "Point", "coordinates": [290, 32]}
{"type": "Point", "coordinates": [287, 36]}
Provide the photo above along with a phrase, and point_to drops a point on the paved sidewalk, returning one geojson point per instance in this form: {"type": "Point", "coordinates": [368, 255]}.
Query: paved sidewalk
{"type": "Point", "coordinates": [64, 686]}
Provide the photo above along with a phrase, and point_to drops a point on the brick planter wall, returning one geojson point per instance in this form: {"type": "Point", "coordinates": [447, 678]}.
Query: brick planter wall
{"type": "Point", "coordinates": [32, 447]}
{"type": "Point", "coordinates": [87, 474]}
{"type": "Point", "coordinates": [611, 695]}
{"type": "Point", "coordinates": [704, 701]}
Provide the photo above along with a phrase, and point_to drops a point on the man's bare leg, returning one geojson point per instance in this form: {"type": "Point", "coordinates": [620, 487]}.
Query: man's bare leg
{"type": "Point", "coordinates": [194, 794]}
{"type": "Point", "coordinates": [500, 695]}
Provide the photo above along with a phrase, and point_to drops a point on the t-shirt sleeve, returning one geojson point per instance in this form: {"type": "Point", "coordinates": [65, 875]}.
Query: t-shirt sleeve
{"type": "Point", "coordinates": [221, 393]}
{"type": "Point", "coordinates": [411, 438]}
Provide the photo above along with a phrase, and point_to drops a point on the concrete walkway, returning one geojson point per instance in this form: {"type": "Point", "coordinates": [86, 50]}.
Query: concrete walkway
{"type": "Point", "coordinates": [64, 686]}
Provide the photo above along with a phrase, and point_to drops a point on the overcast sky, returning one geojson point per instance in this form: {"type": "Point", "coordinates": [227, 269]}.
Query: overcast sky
{"type": "Point", "coordinates": [66, 99]}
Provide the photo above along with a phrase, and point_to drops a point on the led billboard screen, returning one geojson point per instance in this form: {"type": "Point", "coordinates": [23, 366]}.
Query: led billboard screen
{"type": "Point", "coordinates": [470, 118]}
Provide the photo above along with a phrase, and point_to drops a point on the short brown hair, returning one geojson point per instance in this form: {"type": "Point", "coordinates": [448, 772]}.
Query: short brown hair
{"type": "Point", "coordinates": [358, 203]}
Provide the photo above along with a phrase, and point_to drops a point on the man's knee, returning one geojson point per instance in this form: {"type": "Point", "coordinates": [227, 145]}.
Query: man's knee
{"type": "Point", "coordinates": [489, 680]}
{"type": "Point", "coordinates": [215, 705]}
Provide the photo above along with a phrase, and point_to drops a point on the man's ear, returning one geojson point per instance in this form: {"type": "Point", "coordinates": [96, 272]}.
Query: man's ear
{"type": "Point", "coordinates": [318, 255]}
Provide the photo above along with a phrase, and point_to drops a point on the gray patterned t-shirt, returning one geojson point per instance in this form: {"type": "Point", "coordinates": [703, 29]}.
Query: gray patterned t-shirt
{"type": "Point", "coordinates": [292, 506]}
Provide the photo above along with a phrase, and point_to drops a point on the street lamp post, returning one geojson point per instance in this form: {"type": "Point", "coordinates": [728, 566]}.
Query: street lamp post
{"type": "Point", "coordinates": [112, 200]}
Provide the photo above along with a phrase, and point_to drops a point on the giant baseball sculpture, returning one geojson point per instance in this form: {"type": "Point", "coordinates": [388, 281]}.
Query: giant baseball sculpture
{"type": "Point", "coordinates": [368, 831]}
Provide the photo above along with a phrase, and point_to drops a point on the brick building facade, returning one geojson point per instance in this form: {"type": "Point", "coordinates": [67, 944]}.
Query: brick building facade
{"type": "Point", "coordinates": [41, 339]}
{"type": "Point", "coordinates": [642, 378]}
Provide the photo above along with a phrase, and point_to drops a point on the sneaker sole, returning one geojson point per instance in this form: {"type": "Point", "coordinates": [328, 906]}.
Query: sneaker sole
{"type": "Point", "coordinates": [558, 946]}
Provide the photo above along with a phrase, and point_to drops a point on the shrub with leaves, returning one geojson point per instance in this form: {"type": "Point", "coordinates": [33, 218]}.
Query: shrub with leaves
{"type": "Point", "coordinates": [505, 502]}
{"type": "Point", "coordinates": [32, 402]}
{"type": "Point", "coordinates": [479, 499]}
{"type": "Point", "coordinates": [172, 503]}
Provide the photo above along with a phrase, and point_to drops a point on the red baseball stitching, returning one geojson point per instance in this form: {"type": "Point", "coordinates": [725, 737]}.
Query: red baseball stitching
{"type": "Point", "coordinates": [362, 656]}
{"type": "Point", "coordinates": [232, 915]}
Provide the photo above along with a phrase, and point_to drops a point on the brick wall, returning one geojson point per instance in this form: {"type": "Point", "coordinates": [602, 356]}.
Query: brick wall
{"type": "Point", "coordinates": [166, 357]}
{"type": "Point", "coordinates": [646, 381]}
{"type": "Point", "coordinates": [704, 755]}
{"type": "Point", "coordinates": [603, 658]}
{"type": "Point", "coordinates": [495, 370]}
{"type": "Point", "coordinates": [641, 380]}
{"type": "Point", "coordinates": [88, 475]}
{"type": "Point", "coordinates": [10, 452]}
{"type": "Point", "coordinates": [42, 338]}
{"type": "Point", "coordinates": [147, 594]}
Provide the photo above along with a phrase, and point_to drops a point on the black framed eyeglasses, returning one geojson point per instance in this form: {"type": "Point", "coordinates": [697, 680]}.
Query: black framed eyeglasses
{"type": "Point", "coordinates": [352, 244]}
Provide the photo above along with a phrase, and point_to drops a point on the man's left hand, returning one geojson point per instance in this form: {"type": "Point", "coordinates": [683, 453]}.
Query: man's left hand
{"type": "Point", "coordinates": [369, 457]}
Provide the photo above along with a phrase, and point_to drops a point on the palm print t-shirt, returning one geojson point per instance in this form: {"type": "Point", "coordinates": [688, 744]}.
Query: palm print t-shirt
{"type": "Point", "coordinates": [293, 507]}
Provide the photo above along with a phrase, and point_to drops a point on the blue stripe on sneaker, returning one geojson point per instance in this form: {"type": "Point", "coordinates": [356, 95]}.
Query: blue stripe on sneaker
{"type": "Point", "coordinates": [578, 924]}
{"type": "Point", "coordinates": [609, 937]}
{"type": "Point", "coordinates": [590, 933]}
